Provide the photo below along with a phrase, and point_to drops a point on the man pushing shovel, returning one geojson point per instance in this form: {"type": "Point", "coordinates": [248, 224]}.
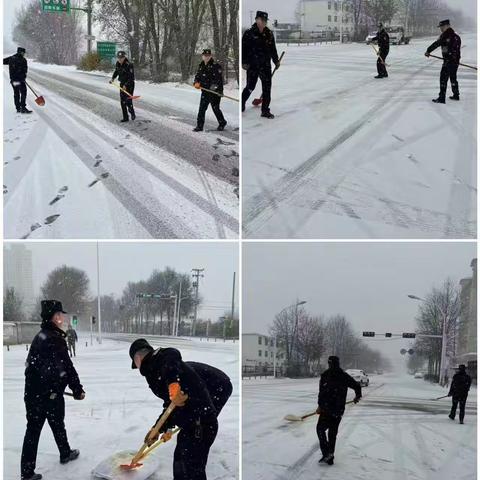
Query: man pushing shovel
{"type": "Point", "coordinates": [198, 391]}
{"type": "Point", "coordinates": [332, 396]}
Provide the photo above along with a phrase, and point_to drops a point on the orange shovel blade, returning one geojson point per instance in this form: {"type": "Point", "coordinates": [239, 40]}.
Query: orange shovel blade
{"type": "Point", "coordinates": [131, 466]}
{"type": "Point", "coordinates": [134, 97]}
{"type": "Point", "coordinates": [40, 101]}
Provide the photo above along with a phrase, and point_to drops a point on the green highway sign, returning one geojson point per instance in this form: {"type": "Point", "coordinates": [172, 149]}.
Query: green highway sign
{"type": "Point", "coordinates": [106, 49]}
{"type": "Point", "coordinates": [56, 6]}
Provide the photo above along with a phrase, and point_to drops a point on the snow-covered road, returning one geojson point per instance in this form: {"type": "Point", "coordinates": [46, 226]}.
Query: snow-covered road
{"type": "Point", "coordinates": [72, 171]}
{"type": "Point", "coordinates": [349, 156]}
{"type": "Point", "coordinates": [395, 433]}
{"type": "Point", "coordinates": [118, 410]}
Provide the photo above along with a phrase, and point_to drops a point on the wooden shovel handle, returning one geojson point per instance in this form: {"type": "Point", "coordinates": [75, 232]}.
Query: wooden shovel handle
{"type": "Point", "coordinates": [161, 421]}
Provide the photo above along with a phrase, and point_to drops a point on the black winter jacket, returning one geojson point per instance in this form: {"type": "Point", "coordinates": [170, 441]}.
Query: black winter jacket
{"type": "Point", "coordinates": [209, 75]}
{"type": "Point", "coordinates": [451, 45]}
{"type": "Point", "coordinates": [207, 387]}
{"type": "Point", "coordinates": [125, 73]}
{"type": "Point", "coordinates": [332, 393]}
{"type": "Point", "coordinates": [48, 366]}
{"type": "Point", "coordinates": [259, 49]}
{"type": "Point", "coordinates": [383, 40]}
{"type": "Point", "coordinates": [18, 67]}
{"type": "Point", "coordinates": [460, 385]}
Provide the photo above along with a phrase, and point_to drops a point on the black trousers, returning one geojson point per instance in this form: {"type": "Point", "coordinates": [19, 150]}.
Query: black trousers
{"type": "Point", "coordinates": [449, 72]}
{"type": "Point", "coordinates": [205, 100]}
{"type": "Point", "coordinates": [381, 64]}
{"type": "Point", "coordinates": [71, 349]}
{"type": "Point", "coordinates": [328, 423]}
{"type": "Point", "coordinates": [126, 102]}
{"type": "Point", "coordinates": [191, 453]}
{"type": "Point", "coordinates": [39, 410]}
{"type": "Point", "coordinates": [265, 74]}
{"type": "Point", "coordinates": [455, 402]}
{"type": "Point", "coordinates": [19, 94]}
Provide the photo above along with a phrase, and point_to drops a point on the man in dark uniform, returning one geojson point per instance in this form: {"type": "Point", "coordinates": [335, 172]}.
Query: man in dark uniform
{"type": "Point", "coordinates": [18, 68]}
{"type": "Point", "coordinates": [48, 371]}
{"type": "Point", "coordinates": [258, 51]}
{"type": "Point", "coordinates": [383, 40]}
{"type": "Point", "coordinates": [332, 395]}
{"type": "Point", "coordinates": [451, 45]}
{"type": "Point", "coordinates": [459, 388]}
{"type": "Point", "coordinates": [126, 75]}
{"type": "Point", "coordinates": [199, 392]}
{"type": "Point", "coordinates": [72, 338]}
{"type": "Point", "coordinates": [209, 75]}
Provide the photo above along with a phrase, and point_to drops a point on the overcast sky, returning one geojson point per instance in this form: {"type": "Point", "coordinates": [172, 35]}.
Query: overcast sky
{"type": "Point", "coordinates": [367, 282]}
{"type": "Point", "coordinates": [124, 262]}
{"type": "Point", "coordinates": [283, 10]}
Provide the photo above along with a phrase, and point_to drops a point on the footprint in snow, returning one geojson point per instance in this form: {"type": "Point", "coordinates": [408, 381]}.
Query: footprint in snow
{"type": "Point", "coordinates": [121, 145]}
{"type": "Point", "coordinates": [97, 156]}
{"type": "Point", "coordinates": [97, 163]}
{"type": "Point", "coordinates": [93, 183]}
{"type": "Point", "coordinates": [5, 189]}
{"type": "Point", "coordinates": [56, 199]}
{"type": "Point", "coordinates": [63, 189]}
{"type": "Point", "coordinates": [49, 220]}
{"type": "Point", "coordinates": [216, 157]}
{"type": "Point", "coordinates": [232, 154]}
{"type": "Point", "coordinates": [18, 157]}
{"type": "Point", "coordinates": [105, 175]}
{"type": "Point", "coordinates": [127, 136]}
{"type": "Point", "coordinates": [398, 138]}
{"type": "Point", "coordinates": [33, 227]}
{"type": "Point", "coordinates": [235, 172]}
{"type": "Point", "coordinates": [5, 163]}
{"type": "Point", "coordinates": [223, 142]}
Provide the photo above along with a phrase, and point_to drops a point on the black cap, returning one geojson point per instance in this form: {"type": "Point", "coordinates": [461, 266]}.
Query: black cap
{"type": "Point", "coordinates": [21, 50]}
{"type": "Point", "coordinates": [263, 15]}
{"type": "Point", "coordinates": [121, 54]}
{"type": "Point", "coordinates": [49, 308]}
{"type": "Point", "coordinates": [334, 361]}
{"type": "Point", "coordinates": [443, 23]}
{"type": "Point", "coordinates": [136, 346]}
{"type": "Point", "coordinates": [462, 367]}
{"type": "Point", "coordinates": [207, 51]}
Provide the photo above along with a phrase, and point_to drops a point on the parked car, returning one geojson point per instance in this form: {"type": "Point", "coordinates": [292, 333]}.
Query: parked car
{"type": "Point", "coordinates": [398, 35]}
{"type": "Point", "coordinates": [370, 37]}
{"type": "Point", "coordinates": [418, 375]}
{"type": "Point", "coordinates": [360, 376]}
{"type": "Point", "coordinates": [379, 372]}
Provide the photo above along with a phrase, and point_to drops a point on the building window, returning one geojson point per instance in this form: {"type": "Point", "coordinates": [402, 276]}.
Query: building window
{"type": "Point", "coordinates": [259, 340]}
{"type": "Point", "coordinates": [271, 354]}
{"type": "Point", "coordinates": [336, 5]}
{"type": "Point", "coordinates": [329, 18]}
{"type": "Point", "coordinates": [335, 19]}
{"type": "Point", "coordinates": [259, 353]}
{"type": "Point", "coordinates": [271, 342]}
{"type": "Point", "coordinates": [329, 5]}
{"type": "Point", "coordinates": [266, 354]}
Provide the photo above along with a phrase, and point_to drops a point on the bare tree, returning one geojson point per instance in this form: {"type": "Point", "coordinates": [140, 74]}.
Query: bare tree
{"type": "Point", "coordinates": [13, 310]}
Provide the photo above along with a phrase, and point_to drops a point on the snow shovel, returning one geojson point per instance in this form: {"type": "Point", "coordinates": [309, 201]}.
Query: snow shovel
{"type": "Point", "coordinates": [131, 97]}
{"type": "Point", "coordinates": [296, 418]}
{"type": "Point", "coordinates": [258, 101]}
{"type": "Point", "coordinates": [462, 64]}
{"type": "Point", "coordinates": [219, 94]}
{"type": "Point", "coordinates": [439, 398]}
{"type": "Point", "coordinates": [378, 55]}
{"type": "Point", "coordinates": [141, 453]}
{"type": "Point", "coordinates": [39, 100]}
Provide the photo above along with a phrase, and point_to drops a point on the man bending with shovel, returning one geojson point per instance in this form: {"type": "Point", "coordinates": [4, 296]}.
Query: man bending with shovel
{"type": "Point", "coordinates": [126, 75]}
{"type": "Point", "coordinates": [197, 390]}
{"type": "Point", "coordinates": [332, 396]}
{"type": "Point", "coordinates": [18, 67]}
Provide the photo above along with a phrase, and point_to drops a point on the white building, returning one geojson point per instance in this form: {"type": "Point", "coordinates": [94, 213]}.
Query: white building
{"type": "Point", "coordinates": [259, 350]}
{"type": "Point", "coordinates": [324, 15]}
{"type": "Point", "coordinates": [18, 272]}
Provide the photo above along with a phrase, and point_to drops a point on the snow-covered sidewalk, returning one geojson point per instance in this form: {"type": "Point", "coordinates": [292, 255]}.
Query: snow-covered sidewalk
{"type": "Point", "coordinates": [118, 410]}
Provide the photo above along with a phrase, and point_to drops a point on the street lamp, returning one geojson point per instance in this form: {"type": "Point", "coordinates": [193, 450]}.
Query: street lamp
{"type": "Point", "coordinates": [443, 356]}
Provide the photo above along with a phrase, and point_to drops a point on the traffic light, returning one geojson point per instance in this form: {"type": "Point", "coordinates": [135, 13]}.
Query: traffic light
{"type": "Point", "coordinates": [408, 335]}
{"type": "Point", "coordinates": [388, 335]}
{"type": "Point", "coordinates": [94, 320]}
{"type": "Point", "coordinates": [368, 334]}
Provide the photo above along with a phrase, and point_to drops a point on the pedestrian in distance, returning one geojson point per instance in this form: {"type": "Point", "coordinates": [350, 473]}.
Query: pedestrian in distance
{"type": "Point", "coordinates": [198, 391]}
{"type": "Point", "coordinates": [451, 45]}
{"type": "Point", "coordinates": [126, 75]}
{"type": "Point", "coordinates": [459, 388]}
{"type": "Point", "coordinates": [72, 338]}
{"type": "Point", "coordinates": [258, 52]}
{"type": "Point", "coordinates": [332, 395]}
{"type": "Point", "coordinates": [383, 40]}
{"type": "Point", "coordinates": [210, 76]}
{"type": "Point", "coordinates": [18, 68]}
{"type": "Point", "coordinates": [48, 371]}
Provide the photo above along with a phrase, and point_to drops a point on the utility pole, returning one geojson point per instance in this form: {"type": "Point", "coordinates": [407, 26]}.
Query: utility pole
{"type": "Point", "coordinates": [99, 313]}
{"type": "Point", "coordinates": [197, 274]}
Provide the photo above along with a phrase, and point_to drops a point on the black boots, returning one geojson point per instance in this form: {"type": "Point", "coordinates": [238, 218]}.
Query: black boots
{"type": "Point", "coordinates": [268, 115]}
{"type": "Point", "coordinates": [438, 100]}
{"type": "Point", "coordinates": [72, 456]}
{"type": "Point", "coordinates": [222, 126]}
{"type": "Point", "coordinates": [25, 110]}
{"type": "Point", "coordinates": [34, 476]}
{"type": "Point", "coordinates": [455, 97]}
{"type": "Point", "coordinates": [198, 129]}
